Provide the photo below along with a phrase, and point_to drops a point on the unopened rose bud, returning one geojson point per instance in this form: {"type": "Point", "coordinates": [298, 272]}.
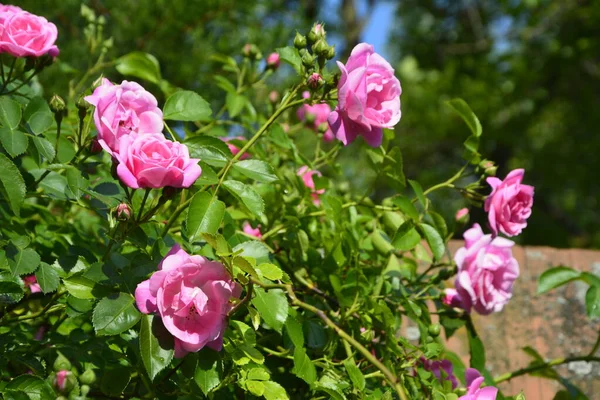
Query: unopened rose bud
{"type": "Point", "coordinates": [64, 381]}
{"type": "Point", "coordinates": [317, 32]}
{"type": "Point", "coordinates": [321, 48]}
{"type": "Point", "coordinates": [247, 49]}
{"type": "Point", "coordinates": [309, 118]}
{"type": "Point", "coordinates": [331, 52]}
{"type": "Point", "coordinates": [88, 377]}
{"type": "Point", "coordinates": [308, 60]}
{"type": "Point", "coordinates": [462, 216]}
{"type": "Point", "coordinates": [488, 167]}
{"type": "Point", "coordinates": [273, 61]}
{"type": "Point", "coordinates": [299, 41]}
{"type": "Point", "coordinates": [95, 147]}
{"type": "Point", "coordinates": [452, 298]}
{"type": "Point", "coordinates": [273, 96]}
{"type": "Point", "coordinates": [302, 52]}
{"type": "Point", "coordinates": [315, 81]}
{"type": "Point", "coordinates": [61, 363]}
{"type": "Point", "coordinates": [251, 51]}
{"type": "Point", "coordinates": [123, 212]}
{"type": "Point", "coordinates": [58, 107]}
{"type": "Point", "coordinates": [323, 126]}
{"type": "Point", "coordinates": [434, 330]}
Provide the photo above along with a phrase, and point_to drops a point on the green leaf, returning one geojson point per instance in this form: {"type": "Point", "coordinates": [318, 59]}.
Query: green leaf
{"type": "Point", "coordinates": [294, 331]}
{"type": "Point", "coordinates": [257, 170]}
{"type": "Point", "coordinates": [462, 108]}
{"type": "Point", "coordinates": [439, 223]}
{"type": "Point", "coordinates": [272, 306]}
{"type": "Point", "coordinates": [14, 142]}
{"type": "Point", "coordinates": [235, 103]}
{"type": "Point", "coordinates": [274, 391]}
{"type": "Point", "coordinates": [185, 105]}
{"type": "Point", "coordinates": [476, 348]}
{"type": "Point", "coordinates": [36, 388]}
{"type": "Point", "coordinates": [204, 215]}
{"type": "Point", "coordinates": [416, 186]}
{"type": "Point", "coordinates": [115, 380]}
{"type": "Point", "coordinates": [219, 143]}
{"type": "Point", "coordinates": [141, 65]}
{"type": "Point", "coordinates": [12, 183]}
{"type": "Point", "coordinates": [278, 136]}
{"type": "Point", "coordinates": [44, 147]}
{"type": "Point", "coordinates": [255, 249]}
{"type": "Point", "coordinates": [406, 237]}
{"type": "Point", "coordinates": [208, 154]}
{"type": "Point", "coordinates": [291, 56]}
{"type": "Point", "coordinates": [115, 314]}
{"type": "Point", "coordinates": [156, 345]}
{"type": "Point", "coordinates": [24, 262]}
{"type": "Point", "coordinates": [224, 83]}
{"type": "Point", "coordinates": [592, 302]}
{"type": "Point", "coordinates": [434, 240]}
{"type": "Point", "coordinates": [247, 195]}
{"type": "Point", "coordinates": [555, 277]}
{"type": "Point", "coordinates": [47, 277]}
{"type": "Point", "coordinates": [10, 113]}
{"type": "Point", "coordinates": [10, 292]}
{"type": "Point", "coordinates": [357, 378]}
{"type": "Point", "coordinates": [80, 287]}
{"type": "Point", "coordinates": [40, 122]}
{"type": "Point", "coordinates": [304, 367]}
{"type": "Point", "coordinates": [255, 387]}
{"type": "Point", "coordinates": [270, 271]}
{"type": "Point", "coordinates": [406, 206]}
{"type": "Point", "coordinates": [208, 176]}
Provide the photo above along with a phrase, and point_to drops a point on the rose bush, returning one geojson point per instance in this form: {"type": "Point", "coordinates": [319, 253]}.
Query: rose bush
{"type": "Point", "coordinates": [175, 265]}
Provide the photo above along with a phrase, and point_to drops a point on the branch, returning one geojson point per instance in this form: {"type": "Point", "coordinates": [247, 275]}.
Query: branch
{"type": "Point", "coordinates": [539, 367]}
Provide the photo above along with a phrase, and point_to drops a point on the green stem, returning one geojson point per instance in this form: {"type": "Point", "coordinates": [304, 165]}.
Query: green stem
{"type": "Point", "coordinates": [273, 231]}
{"type": "Point", "coordinates": [350, 204]}
{"type": "Point", "coordinates": [171, 133]}
{"type": "Point", "coordinates": [43, 311]}
{"type": "Point", "coordinates": [26, 81]}
{"type": "Point", "coordinates": [389, 375]}
{"type": "Point", "coordinates": [58, 125]}
{"type": "Point", "coordinates": [596, 346]}
{"type": "Point", "coordinates": [10, 71]}
{"type": "Point", "coordinates": [448, 183]}
{"type": "Point", "coordinates": [538, 367]}
{"type": "Point", "coordinates": [146, 194]}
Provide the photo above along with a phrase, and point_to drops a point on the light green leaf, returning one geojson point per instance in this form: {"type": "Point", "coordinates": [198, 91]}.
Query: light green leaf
{"type": "Point", "coordinates": [555, 277]}
{"type": "Point", "coordinates": [208, 176]}
{"type": "Point", "coordinates": [255, 387]}
{"type": "Point", "coordinates": [204, 215]}
{"type": "Point", "coordinates": [416, 186]}
{"type": "Point", "coordinates": [357, 378]}
{"type": "Point", "coordinates": [12, 183]}
{"type": "Point", "coordinates": [304, 367]}
{"type": "Point", "coordinates": [141, 65]}
{"type": "Point", "coordinates": [40, 122]}
{"type": "Point", "coordinates": [434, 240]}
{"type": "Point", "coordinates": [255, 249]}
{"type": "Point", "coordinates": [465, 112]}
{"type": "Point", "coordinates": [80, 287]}
{"type": "Point", "coordinates": [10, 112]}
{"type": "Point", "coordinates": [272, 306]}
{"type": "Point", "coordinates": [406, 237]}
{"type": "Point", "coordinates": [257, 170]}
{"type": "Point", "coordinates": [274, 391]}
{"type": "Point", "coordinates": [24, 262]}
{"type": "Point", "coordinates": [406, 206]}
{"type": "Point", "coordinates": [291, 56]}
{"type": "Point", "coordinates": [208, 154]}
{"type": "Point", "coordinates": [235, 103]}
{"type": "Point", "coordinates": [115, 314]}
{"type": "Point", "coordinates": [294, 331]}
{"type": "Point", "coordinates": [14, 142]}
{"type": "Point", "coordinates": [185, 105]}
{"type": "Point", "coordinates": [247, 195]}
{"type": "Point", "coordinates": [47, 277]}
{"type": "Point", "coordinates": [270, 271]}
{"type": "Point", "coordinates": [156, 345]}
{"type": "Point", "coordinates": [592, 302]}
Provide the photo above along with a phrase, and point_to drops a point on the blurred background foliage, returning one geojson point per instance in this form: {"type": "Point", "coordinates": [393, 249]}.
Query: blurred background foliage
{"type": "Point", "coordinates": [529, 69]}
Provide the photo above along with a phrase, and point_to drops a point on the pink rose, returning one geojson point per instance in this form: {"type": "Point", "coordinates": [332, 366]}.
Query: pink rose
{"type": "Point", "coordinates": [233, 148]}
{"type": "Point", "coordinates": [307, 178]}
{"type": "Point", "coordinates": [436, 367]}
{"type": "Point", "coordinates": [23, 34]}
{"type": "Point", "coordinates": [151, 161]}
{"type": "Point", "coordinates": [123, 212]}
{"type": "Point", "coordinates": [368, 97]}
{"type": "Point", "coordinates": [273, 60]}
{"type": "Point", "coordinates": [249, 230]}
{"type": "Point", "coordinates": [191, 294]}
{"type": "Point", "coordinates": [31, 282]}
{"type": "Point", "coordinates": [123, 109]}
{"type": "Point", "coordinates": [509, 204]}
{"type": "Point", "coordinates": [486, 272]}
{"type": "Point", "coordinates": [474, 381]}
{"type": "Point", "coordinates": [320, 112]}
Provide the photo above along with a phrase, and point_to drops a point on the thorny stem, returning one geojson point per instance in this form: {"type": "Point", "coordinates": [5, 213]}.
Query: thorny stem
{"type": "Point", "coordinates": [389, 375]}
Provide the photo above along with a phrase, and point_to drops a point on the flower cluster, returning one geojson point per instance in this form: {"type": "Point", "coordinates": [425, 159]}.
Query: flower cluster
{"type": "Point", "coordinates": [486, 268]}
{"type": "Point", "coordinates": [129, 125]}
{"type": "Point", "coordinates": [23, 34]}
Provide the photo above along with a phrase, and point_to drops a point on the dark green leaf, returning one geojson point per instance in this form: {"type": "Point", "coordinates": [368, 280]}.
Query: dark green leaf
{"type": "Point", "coordinates": [465, 112]}
{"type": "Point", "coordinates": [14, 142]}
{"type": "Point", "coordinates": [40, 122]}
{"type": "Point", "coordinates": [141, 65]}
{"type": "Point", "coordinates": [44, 147]}
{"type": "Point", "coordinates": [24, 262]}
{"type": "Point", "coordinates": [406, 237]}
{"type": "Point", "coordinates": [247, 195]}
{"type": "Point", "coordinates": [47, 277]}
{"type": "Point", "coordinates": [555, 277]}
{"type": "Point", "coordinates": [208, 154]}
{"type": "Point", "coordinates": [185, 105]}
{"type": "Point", "coordinates": [80, 287]}
{"type": "Point", "coordinates": [294, 331]}
{"type": "Point", "coordinates": [156, 345]}
{"type": "Point", "coordinates": [291, 56]}
{"type": "Point", "coordinates": [208, 177]}
{"type": "Point", "coordinates": [439, 223]}
{"type": "Point", "coordinates": [279, 137]}
{"type": "Point", "coordinates": [416, 186]}
{"type": "Point", "coordinates": [10, 292]}
{"type": "Point", "coordinates": [272, 306]}
{"type": "Point", "coordinates": [115, 380]}
{"type": "Point", "coordinates": [115, 314]}
{"type": "Point", "coordinates": [256, 169]}
{"type": "Point", "coordinates": [434, 240]}
{"type": "Point", "coordinates": [10, 113]}
{"type": "Point", "coordinates": [304, 367]}
{"type": "Point", "coordinates": [35, 387]}
{"type": "Point", "coordinates": [12, 183]}
{"type": "Point", "coordinates": [476, 348]}
{"type": "Point", "coordinates": [224, 83]}
{"type": "Point", "coordinates": [204, 215]}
